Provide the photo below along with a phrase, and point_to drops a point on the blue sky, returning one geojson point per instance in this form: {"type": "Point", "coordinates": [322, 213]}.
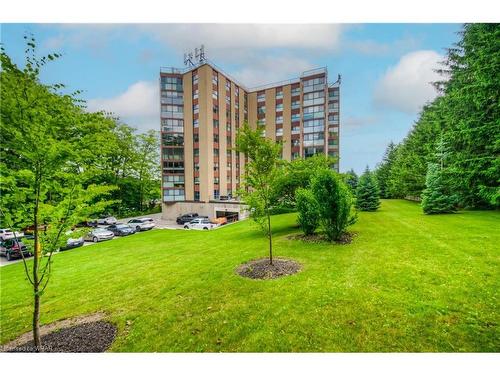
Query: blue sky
{"type": "Point", "coordinates": [385, 68]}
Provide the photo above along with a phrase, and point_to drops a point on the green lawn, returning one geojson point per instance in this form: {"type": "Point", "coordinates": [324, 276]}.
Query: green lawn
{"type": "Point", "coordinates": [408, 282]}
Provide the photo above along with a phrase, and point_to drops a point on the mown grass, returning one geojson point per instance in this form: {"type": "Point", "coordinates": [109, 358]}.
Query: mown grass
{"type": "Point", "coordinates": [408, 282]}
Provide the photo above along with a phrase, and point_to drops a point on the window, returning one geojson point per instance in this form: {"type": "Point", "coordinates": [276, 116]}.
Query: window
{"type": "Point", "coordinates": [173, 139]}
{"type": "Point", "coordinates": [196, 137]}
{"type": "Point", "coordinates": [314, 84]}
{"type": "Point", "coordinates": [216, 180]}
{"type": "Point", "coordinates": [216, 108]}
{"type": "Point", "coordinates": [296, 117]}
{"type": "Point", "coordinates": [216, 123]}
{"type": "Point", "coordinates": [296, 104]}
{"type": "Point", "coordinates": [173, 167]}
{"type": "Point", "coordinates": [279, 132]}
{"type": "Point", "coordinates": [314, 98]}
{"type": "Point", "coordinates": [216, 152]}
{"type": "Point", "coordinates": [279, 119]}
{"type": "Point", "coordinates": [314, 112]}
{"type": "Point", "coordinates": [216, 138]}
{"type": "Point", "coordinates": [279, 107]}
{"type": "Point", "coordinates": [296, 91]}
{"type": "Point", "coordinates": [196, 166]}
{"type": "Point", "coordinates": [261, 110]}
{"type": "Point", "coordinates": [279, 94]}
{"type": "Point", "coordinates": [216, 194]}
{"type": "Point", "coordinates": [296, 130]}
{"type": "Point", "coordinates": [215, 94]}
{"type": "Point", "coordinates": [196, 108]}
{"type": "Point", "coordinates": [261, 97]}
{"type": "Point", "coordinates": [172, 153]}
{"type": "Point", "coordinates": [196, 123]}
{"type": "Point", "coordinates": [173, 195]}
{"type": "Point", "coordinates": [228, 141]}
{"type": "Point", "coordinates": [196, 152]}
{"type": "Point", "coordinates": [312, 126]}
{"type": "Point", "coordinates": [261, 122]}
{"type": "Point", "coordinates": [171, 181]}
{"type": "Point", "coordinates": [196, 195]}
{"type": "Point", "coordinates": [172, 125]}
{"type": "Point", "coordinates": [295, 155]}
{"type": "Point", "coordinates": [295, 142]}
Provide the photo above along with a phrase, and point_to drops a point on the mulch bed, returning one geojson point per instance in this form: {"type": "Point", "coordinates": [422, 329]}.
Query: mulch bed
{"type": "Point", "coordinates": [91, 337]}
{"type": "Point", "coordinates": [345, 239]}
{"type": "Point", "coordinates": [261, 269]}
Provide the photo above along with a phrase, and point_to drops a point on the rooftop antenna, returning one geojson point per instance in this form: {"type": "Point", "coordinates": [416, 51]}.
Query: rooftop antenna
{"type": "Point", "coordinates": [188, 59]}
{"type": "Point", "coordinates": [199, 57]}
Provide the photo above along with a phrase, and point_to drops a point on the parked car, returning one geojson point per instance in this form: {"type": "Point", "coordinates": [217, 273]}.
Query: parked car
{"type": "Point", "coordinates": [98, 234]}
{"type": "Point", "coordinates": [120, 229]}
{"type": "Point", "coordinates": [72, 243]}
{"type": "Point", "coordinates": [6, 233]}
{"type": "Point", "coordinates": [11, 248]}
{"type": "Point", "coordinates": [220, 220]}
{"type": "Point", "coordinates": [107, 220]}
{"type": "Point", "coordinates": [200, 223]}
{"type": "Point", "coordinates": [145, 223]}
{"type": "Point", "coordinates": [186, 218]}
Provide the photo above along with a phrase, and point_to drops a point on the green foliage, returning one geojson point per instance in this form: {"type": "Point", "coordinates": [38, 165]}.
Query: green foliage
{"type": "Point", "coordinates": [351, 179]}
{"type": "Point", "coordinates": [383, 170]}
{"type": "Point", "coordinates": [308, 208]}
{"type": "Point", "coordinates": [335, 202]}
{"type": "Point", "coordinates": [260, 176]}
{"type": "Point", "coordinates": [297, 174]}
{"type": "Point", "coordinates": [466, 116]}
{"type": "Point", "coordinates": [435, 197]}
{"type": "Point", "coordinates": [367, 193]}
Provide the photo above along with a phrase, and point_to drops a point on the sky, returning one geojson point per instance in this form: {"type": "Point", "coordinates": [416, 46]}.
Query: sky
{"type": "Point", "coordinates": [386, 69]}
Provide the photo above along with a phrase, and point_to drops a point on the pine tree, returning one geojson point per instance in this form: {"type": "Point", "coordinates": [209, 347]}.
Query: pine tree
{"type": "Point", "coordinates": [367, 192]}
{"type": "Point", "coordinates": [437, 197]}
{"type": "Point", "coordinates": [351, 179]}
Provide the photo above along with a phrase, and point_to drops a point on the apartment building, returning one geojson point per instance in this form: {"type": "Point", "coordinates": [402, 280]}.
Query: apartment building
{"type": "Point", "coordinates": [202, 109]}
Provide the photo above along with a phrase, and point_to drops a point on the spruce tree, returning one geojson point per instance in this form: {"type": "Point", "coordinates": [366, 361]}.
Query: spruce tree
{"type": "Point", "coordinates": [351, 179]}
{"type": "Point", "coordinates": [437, 197]}
{"type": "Point", "coordinates": [367, 192]}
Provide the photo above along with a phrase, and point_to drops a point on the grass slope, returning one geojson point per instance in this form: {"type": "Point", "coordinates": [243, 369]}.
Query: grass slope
{"type": "Point", "coordinates": [409, 282]}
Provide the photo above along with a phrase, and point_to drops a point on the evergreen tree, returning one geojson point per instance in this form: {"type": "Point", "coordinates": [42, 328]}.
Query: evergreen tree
{"type": "Point", "coordinates": [367, 193]}
{"type": "Point", "coordinates": [382, 173]}
{"type": "Point", "coordinates": [351, 179]}
{"type": "Point", "coordinates": [437, 197]}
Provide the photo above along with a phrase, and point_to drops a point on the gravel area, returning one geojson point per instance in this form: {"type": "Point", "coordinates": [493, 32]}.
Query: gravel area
{"type": "Point", "coordinates": [261, 269]}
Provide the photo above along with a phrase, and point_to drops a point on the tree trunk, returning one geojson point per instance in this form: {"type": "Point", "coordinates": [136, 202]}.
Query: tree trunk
{"type": "Point", "coordinates": [270, 238]}
{"type": "Point", "coordinates": [36, 282]}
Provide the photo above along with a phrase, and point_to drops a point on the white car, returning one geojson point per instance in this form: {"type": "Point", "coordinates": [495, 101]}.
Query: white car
{"type": "Point", "coordinates": [6, 234]}
{"type": "Point", "coordinates": [200, 223]}
{"type": "Point", "coordinates": [109, 220]}
{"type": "Point", "coordinates": [145, 223]}
{"type": "Point", "coordinates": [99, 234]}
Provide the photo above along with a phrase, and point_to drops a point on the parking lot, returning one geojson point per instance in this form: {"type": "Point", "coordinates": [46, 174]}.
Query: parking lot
{"type": "Point", "coordinates": [159, 224]}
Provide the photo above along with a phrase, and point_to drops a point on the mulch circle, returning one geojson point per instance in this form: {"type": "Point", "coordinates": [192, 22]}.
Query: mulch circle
{"type": "Point", "coordinates": [345, 239]}
{"type": "Point", "coordinates": [92, 337]}
{"type": "Point", "coordinates": [261, 269]}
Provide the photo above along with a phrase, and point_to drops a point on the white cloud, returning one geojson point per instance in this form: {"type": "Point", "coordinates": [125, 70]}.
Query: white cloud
{"type": "Point", "coordinates": [355, 122]}
{"type": "Point", "coordinates": [138, 105]}
{"type": "Point", "coordinates": [228, 39]}
{"type": "Point", "coordinates": [407, 85]}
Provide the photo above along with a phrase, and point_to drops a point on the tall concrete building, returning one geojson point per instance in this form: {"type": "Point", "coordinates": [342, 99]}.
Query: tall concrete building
{"type": "Point", "coordinates": [202, 109]}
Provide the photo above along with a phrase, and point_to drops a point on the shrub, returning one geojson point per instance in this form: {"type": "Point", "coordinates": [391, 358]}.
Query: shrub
{"type": "Point", "coordinates": [335, 203]}
{"type": "Point", "coordinates": [306, 204]}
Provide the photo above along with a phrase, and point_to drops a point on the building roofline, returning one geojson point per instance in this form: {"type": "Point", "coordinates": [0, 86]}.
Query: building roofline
{"type": "Point", "coordinates": [306, 73]}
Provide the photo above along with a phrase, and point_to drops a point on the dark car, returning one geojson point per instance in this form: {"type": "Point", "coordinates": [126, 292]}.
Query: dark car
{"type": "Point", "coordinates": [120, 229]}
{"type": "Point", "coordinates": [12, 248]}
{"type": "Point", "coordinates": [186, 218]}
